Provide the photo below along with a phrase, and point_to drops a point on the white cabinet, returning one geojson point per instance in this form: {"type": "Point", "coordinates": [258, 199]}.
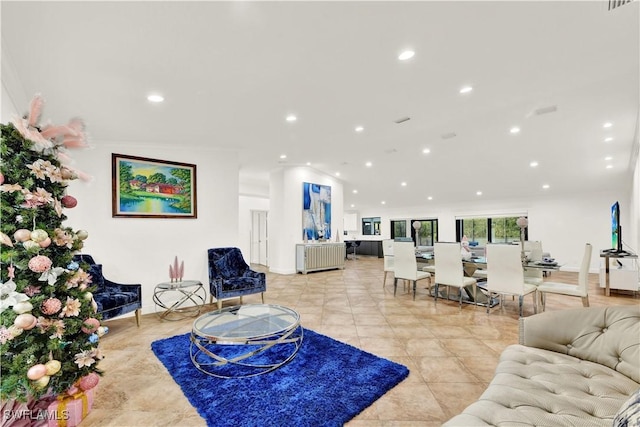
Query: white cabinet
{"type": "Point", "coordinates": [623, 274]}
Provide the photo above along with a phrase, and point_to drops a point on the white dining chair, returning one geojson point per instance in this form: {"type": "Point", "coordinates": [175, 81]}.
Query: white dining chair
{"type": "Point", "coordinates": [449, 271]}
{"type": "Point", "coordinates": [533, 251]}
{"type": "Point", "coordinates": [505, 275]}
{"type": "Point", "coordinates": [580, 290]}
{"type": "Point", "coordinates": [387, 253]}
{"type": "Point", "coordinates": [405, 266]}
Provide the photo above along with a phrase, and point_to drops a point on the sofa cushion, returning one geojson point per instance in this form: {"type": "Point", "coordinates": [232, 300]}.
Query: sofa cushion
{"type": "Point", "coordinates": [539, 387]}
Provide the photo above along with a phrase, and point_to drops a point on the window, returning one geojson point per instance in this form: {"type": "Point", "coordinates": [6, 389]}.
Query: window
{"type": "Point", "coordinates": [427, 233]}
{"type": "Point", "coordinates": [489, 230]}
{"type": "Point", "coordinates": [398, 229]}
{"type": "Point", "coordinates": [371, 226]}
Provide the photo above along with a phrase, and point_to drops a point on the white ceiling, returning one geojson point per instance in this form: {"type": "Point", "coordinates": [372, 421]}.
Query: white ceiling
{"type": "Point", "coordinates": [231, 71]}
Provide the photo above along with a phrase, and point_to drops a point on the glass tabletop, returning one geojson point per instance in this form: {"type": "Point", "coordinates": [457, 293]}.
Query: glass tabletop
{"type": "Point", "coordinates": [241, 323]}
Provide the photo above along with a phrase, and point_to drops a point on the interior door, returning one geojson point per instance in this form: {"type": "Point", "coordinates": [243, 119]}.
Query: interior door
{"type": "Point", "coordinates": [259, 236]}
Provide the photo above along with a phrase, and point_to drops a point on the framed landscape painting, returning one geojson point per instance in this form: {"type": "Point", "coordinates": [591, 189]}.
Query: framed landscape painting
{"type": "Point", "coordinates": [150, 188]}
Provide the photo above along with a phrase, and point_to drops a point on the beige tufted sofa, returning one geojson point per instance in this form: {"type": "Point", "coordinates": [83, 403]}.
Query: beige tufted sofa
{"type": "Point", "coordinates": [571, 368]}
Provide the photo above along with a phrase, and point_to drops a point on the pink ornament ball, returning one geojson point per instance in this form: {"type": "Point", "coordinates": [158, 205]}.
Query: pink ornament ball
{"type": "Point", "coordinates": [89, 381]}
{"type": "Point", "coordinates": [1, 178]}
{"type": "Point", "coordinates": [22, 235]}
{"type": "Point", "coordinates": [45, 243]}
{"type": "Point", "coordinates": [36, 372]}
{"type": "Point", "coordinates": [39, 264]}
{"type": "Point", "coordinates": [69, 201]}
{"type": "Point", "coordinates": [51, 306]}
{"type": "Point", "coordinates": [90, 325]}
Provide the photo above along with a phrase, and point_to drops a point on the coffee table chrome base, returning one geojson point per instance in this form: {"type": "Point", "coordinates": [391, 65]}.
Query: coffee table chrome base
{"type": "Point", "coordinates": [206, 357]}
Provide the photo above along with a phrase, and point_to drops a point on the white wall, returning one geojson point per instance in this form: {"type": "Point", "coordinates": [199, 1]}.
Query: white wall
{"type": "Point", "coordinates": [563, 224]}
{"type": "Point", "coordinates": [285, 213]}
{"type": "Point", "coordinates": [139, 250]}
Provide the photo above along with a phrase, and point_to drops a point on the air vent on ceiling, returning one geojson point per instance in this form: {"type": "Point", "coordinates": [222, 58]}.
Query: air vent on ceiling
{"type": "Point", "coordinates": [617, 3]}
{"type": "Point", "coordinates": [448, 135]}
{"type": "Point", "coordinates": [402, 120]}
{"type": "Point", "coordinates": [545, 110]}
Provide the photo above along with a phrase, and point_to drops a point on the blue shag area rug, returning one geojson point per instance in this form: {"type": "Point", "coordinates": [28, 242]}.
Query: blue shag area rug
{"type": "Point", "coordinates": [326, 384]}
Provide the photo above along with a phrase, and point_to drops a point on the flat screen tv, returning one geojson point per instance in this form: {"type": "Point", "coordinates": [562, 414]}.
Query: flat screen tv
{"type": "Point", "coordinates": [616, 229]}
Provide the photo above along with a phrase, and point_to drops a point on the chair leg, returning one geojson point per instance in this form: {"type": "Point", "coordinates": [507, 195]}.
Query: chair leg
{"type": "Point", "coordinates": [138, 317]}
{"type": "Point", "coordinates": [475, 295]}
{"type": "Point", "coordinates": [384, 282]}
{"type": "Point", "coordinates": [262, 294]}
{"type": "Point", "coordinates": [219, 304]}
{"type": "Point", "coordinates": [395, 286]}
{"type": "Point", "coordinates": [240, 300]}
{"type": "Point", "coordinates": [585, 301]}
{"type": "Point", "coordinates": [535, 302]}
{"type": "Point", "coordinates": [520, 303]}
{"type": "Point", "coordinates": [414, 289]}
{"type": "Point", "coordinates": [461, 289]}
{"type": "Point", "coordinates": [435, 293]}
{"type": "Point", "coordinates": [543, 298]}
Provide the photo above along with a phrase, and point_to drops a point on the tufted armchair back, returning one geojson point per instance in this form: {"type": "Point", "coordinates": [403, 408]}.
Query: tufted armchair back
{"type": "Point", "coordinates": [230, 276]}
{"type": "Point", "coordinates": [609, 336]}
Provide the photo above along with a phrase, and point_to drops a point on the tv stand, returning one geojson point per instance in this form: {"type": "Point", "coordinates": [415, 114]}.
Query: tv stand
{"type": "Point", "coordinates": [612, 253]}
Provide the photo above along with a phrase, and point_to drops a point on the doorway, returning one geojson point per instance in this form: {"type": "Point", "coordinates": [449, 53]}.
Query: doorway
{"type": "Point", "coordinates": [259, 254]}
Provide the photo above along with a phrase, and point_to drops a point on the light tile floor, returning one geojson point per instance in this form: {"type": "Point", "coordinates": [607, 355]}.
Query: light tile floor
{"type": "Point", "coordinates": [451, 353]}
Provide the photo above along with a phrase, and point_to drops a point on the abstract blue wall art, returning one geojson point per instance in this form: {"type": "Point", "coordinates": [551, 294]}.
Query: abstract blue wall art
{"type": "Point", "coordinates": [316, 211]}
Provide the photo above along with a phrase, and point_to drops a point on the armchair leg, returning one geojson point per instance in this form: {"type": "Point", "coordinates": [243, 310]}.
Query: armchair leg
{"type": "Point", "coordinates": [219, 304]}
{"type": "Point", "coordinates": [241, 300]}
{"type": "Point", "coordinates": [138, 317]}
{"type": "Point", "coordinates": [395, 286]}
{"type": "Point", "coordinates": [262, 294]}
{"type": "Point", "coordinates": [585, 301]}
{"type": "Point", "coordinates": [385, 279]}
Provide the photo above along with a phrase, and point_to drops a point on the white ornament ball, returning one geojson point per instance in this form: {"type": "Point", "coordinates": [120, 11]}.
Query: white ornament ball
{"type": "Point", "coordinates": [82, 234]}
{"type": "Point", "coordinates": [42, 382]}
{"type": "Point", "coordinates": [22, 307]}
{"type": "Point", "coordinates": [38, 235]}
{"type": "Point", "coordinates": [31, 246]}
{"type": "Point", "coordinates": [53, 367]}
{"type": "Point", "coordinates": [88, 296]}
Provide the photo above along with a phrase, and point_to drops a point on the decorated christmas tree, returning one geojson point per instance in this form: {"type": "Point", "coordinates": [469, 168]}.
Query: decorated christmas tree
{"type": "Point", "coordinates": [50, 329]}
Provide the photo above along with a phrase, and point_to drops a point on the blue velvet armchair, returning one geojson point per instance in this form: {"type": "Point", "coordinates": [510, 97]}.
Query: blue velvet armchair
{"type": "Point", "coordinates": [230, 276]}
{"type": "Point", "coordinates": [113, 299]}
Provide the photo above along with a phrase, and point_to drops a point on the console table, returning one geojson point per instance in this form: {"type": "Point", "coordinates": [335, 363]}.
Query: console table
{"type": "Point", "coordinates": [607, 272]}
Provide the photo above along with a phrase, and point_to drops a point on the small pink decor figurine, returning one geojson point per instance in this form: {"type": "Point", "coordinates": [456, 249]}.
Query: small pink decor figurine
{"type": "Point", "coordinates": [175, 272]}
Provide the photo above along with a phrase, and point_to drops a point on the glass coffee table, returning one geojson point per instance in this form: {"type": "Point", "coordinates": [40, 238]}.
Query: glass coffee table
{"type": "Point", "coordinates": [246, 340]}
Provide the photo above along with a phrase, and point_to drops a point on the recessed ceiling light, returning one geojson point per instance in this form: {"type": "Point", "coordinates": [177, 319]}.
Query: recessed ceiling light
{"type": "Point", "coordinates": [308, 163]}
{"type": "Point", "coordinates": [545, 186]}
{"type": "Point", "coordinates": [514, 130]}
{"type": "Point", "coordinates": [353, 206]}
{"type": "Point", "coordinates": [383, 202]}
{"type": "Point", "coordinates": [368, 164]}
{"type": "Point", "coordinates": [608, 158]}
{"type": "Point", "coordinates": [609, 166]}
{"type": "Point", "coordinates": [283, 156]}
{"type": "Point", "coordinates": [404, 184]}
{"type": "Point", "coordinates": [426, 151]}
{"type": "Point", "coordinates": [359, 129]}
{"type": "Point", "coordinates": [429, 198]}
{"type": "Point", "coordinates": [608, 139]}
{"type": "Point", "coordinates": [407, 54]}
{"type": "Point", "coordinates": [155, 98]}
{"type": "Point", "coordinates": [478, 193]}
{"type": "Point", "coordinates": [355, 191]}
{"type": "Point", "coordinates": [337, 173]}
{"type": "Point", "coordinates": [466, 89]}
{"type": "Point", "coordinates": [291, 118]}
{"type": "Point", "coordinates": [533, 164]}
{"type": "Point", "coordinates": [607, 125]}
